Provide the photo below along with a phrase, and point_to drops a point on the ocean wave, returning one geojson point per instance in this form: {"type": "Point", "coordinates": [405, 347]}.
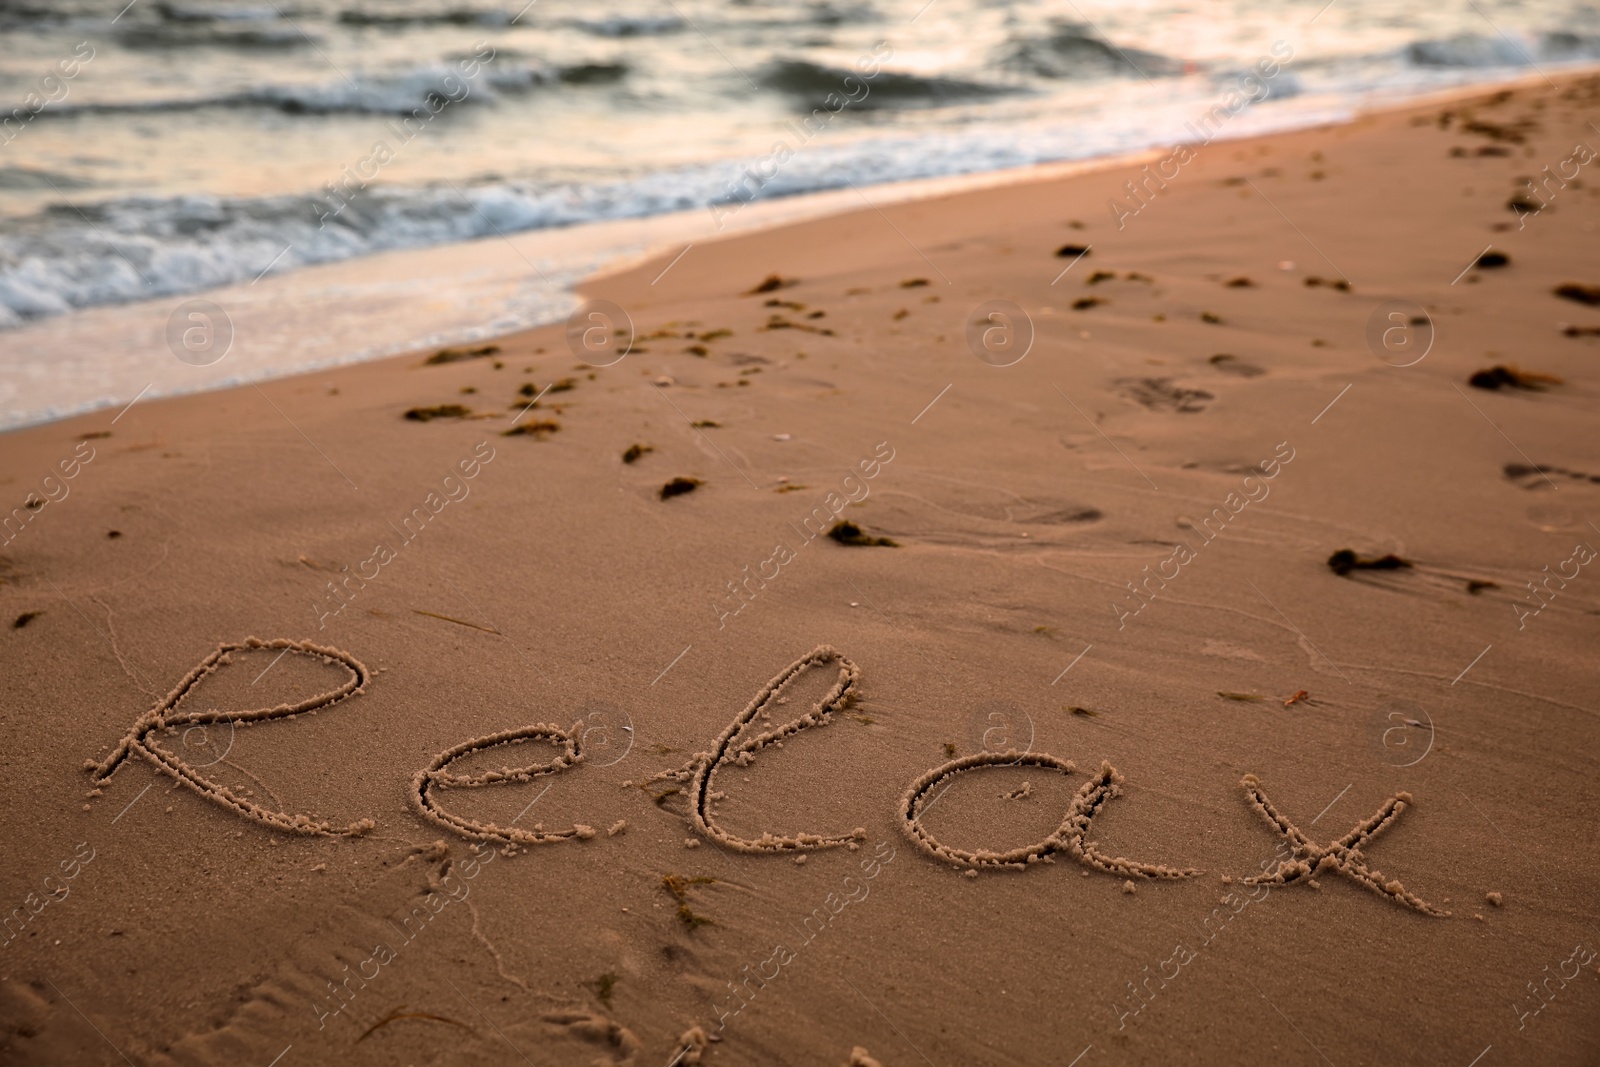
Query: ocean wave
{"type": "Point", "coordinates": [195, 33]}
{"type": "Point", "coordinates": [629, 25]}
{"type": "Point", "coordinates": [592, 73]}
{"type": "Point", "coordinates": [139, 248]}
{"type": "Point", "coordinates": [133, 249]}
{"type": "Point", "coordinates": [24, 15]}
{"type": "Point", "coordinates": [447, 17]}
{"type": "Point", "coordinates": [375, 97]}
{"type": "Point", "coordinates": [810, 83]}
{"type": "Point", "coordinates": [31, 179]}
{"type": "Point", "coordinates": [1466, 50]}
{"type": "Point", "coordinates": [824, 13]}
{"type": "Point", "coordinates": [395, 95]}
{"type": "Point", "coordinates": [1076, 50]}
{"type": "Point", "coordinates": [1470, 50]}
{"type": "Point", "coordinates": [828, 15]}
{"type": "Point", "coordinates": [176, 12]}
{"type": "Point", "coordinates": [1563, 46]}
{"type": "Point", "coordinates": [1056, 90]}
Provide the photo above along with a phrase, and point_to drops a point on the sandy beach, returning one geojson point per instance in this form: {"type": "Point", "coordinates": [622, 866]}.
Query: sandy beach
{"type": "Point", "coordinates": [1141, 617]}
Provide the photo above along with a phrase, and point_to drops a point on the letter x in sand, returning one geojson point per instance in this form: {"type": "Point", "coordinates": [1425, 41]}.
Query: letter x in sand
{"type": "Point", "coordinates": [1343, 855]}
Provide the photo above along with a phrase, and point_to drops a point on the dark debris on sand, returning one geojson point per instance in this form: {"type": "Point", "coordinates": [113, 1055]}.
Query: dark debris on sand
{"type": "Point", "coordinates": [1501, 376]}
{"type": "Point", "coordinates": [1346, 560]}
{"type": "Point", "coordinates": [438, 411]}
{"type": "Point", "coordinates": [848, 533]}
{"type": "Point", "coordinates": [679, 486]}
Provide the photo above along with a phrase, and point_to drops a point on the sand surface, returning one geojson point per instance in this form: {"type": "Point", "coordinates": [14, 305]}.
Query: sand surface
{"type": "Point", "coordinates": [1113, 551]}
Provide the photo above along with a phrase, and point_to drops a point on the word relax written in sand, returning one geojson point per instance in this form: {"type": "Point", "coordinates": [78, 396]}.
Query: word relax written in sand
{"type": "Point", "coordinates": [739, 744]}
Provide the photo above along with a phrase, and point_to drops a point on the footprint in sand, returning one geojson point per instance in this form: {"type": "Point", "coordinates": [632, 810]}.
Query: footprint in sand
{"type": "Point", "coordinates": [1048, 511]}
{"type": "Point", "coordinates": [1231, 364]}
{"type": "Point", "coordinates": [700, 772]}
{"type": "Point", "coordinates": [1159, 394]}
{"type": "Point", "coordinates": [616, 1041]}
{"type": "Point", "coordinates": [1553, 518]}
{"type": "Point", "coordinates": [1070, 838]}
{"type": "Point", "coordinates": [960, 513]}
{"type": "Point", "coordinates": [168, 717]}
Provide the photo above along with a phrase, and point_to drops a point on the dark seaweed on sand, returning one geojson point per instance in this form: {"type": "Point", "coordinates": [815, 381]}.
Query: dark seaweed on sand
{"type": "Point", "coordinates": [1501, 376]}
{"type": "Point", "coordinates": [1583, 294]}
{"type": "Point", "coordinates": [679, 885]}
{"type": "Point", "coordinates": [456, 355]}
{"type": "Point", "coordinates": [539, 429]}
{"type": "Point", "coordinates": [1346, 560]}
{"type": "Point", "coordinates": [848, 533]}
{"type": "Point", "coordinates": [438, 411]}
{"type": "Point", "coordinates": [679, 486]}
{"type": "Point", "coordinates": [771, 283]}
{"type": "Point", "coordinates": [603, 987]}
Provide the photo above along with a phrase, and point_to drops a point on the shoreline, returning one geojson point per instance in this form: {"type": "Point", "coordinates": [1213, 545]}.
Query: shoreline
{"type": "Point", "coordinates": [265, 317]}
